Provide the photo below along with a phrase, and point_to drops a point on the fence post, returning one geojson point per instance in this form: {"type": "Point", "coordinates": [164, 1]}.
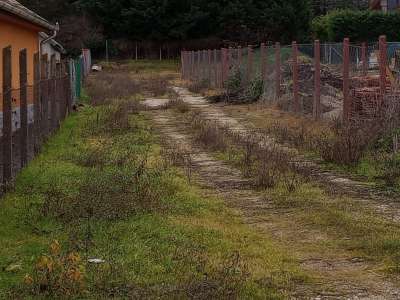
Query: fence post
{"type": "Point", "coordinates": [192, 65]}
{"type": "Point", "coordinates": [209, 67]}
{"type": "Point", "coordinates": [364, 59]}
{"type": "Point", "coordinates": [44, 87]}
{"type": "Point", "coordinates": [382, 64]}
{"type": "Point", "coordinates": [53, 103]}
{"type": "Point", "coordinates": [7, 117]}
{"type": "Point", "coordinates": [277, 70]}
{"type": "Point", "coordinates": [60, 90]}
{"type": "Point", "coordinates": [249, 64]}
{"type": "Point", "coordinates": [346, 80]}
{"type": "Point", "coordinates": [296, 100]}
{"type": "Point", "coordinates": [216, 67]}
{"type": "Point", "coordinates": [23, 84]}
{"type": "Point", "coordinates": [239, 54]}
{"type": "Point", "coordinates": [317, 80]}
{"type": "Point", "coordinates": [263, 62]}
{"type": "Point", "coordinates": [224, 65]}
{"type": "Point", "coordinates": [36, 102]}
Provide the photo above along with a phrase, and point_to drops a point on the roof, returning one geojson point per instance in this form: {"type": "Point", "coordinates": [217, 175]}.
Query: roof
{"type": "Point", "coordinates": [16, 8]}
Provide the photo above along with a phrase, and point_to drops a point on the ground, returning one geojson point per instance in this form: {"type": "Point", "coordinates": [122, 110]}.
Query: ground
{"type": "Point", "coordinates": [151, 192]}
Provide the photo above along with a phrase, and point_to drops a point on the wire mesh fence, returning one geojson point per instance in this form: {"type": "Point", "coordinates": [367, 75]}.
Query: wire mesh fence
{"type": "Point", "coordinates": [32, 112]}
{"type": "Point", "coordinates": [330, 80]}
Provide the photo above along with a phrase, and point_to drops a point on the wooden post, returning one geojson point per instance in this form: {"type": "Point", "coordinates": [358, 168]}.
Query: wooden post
{"type": "Point", "coordinates": [296, 96]}
{"type": "Point", "coordinates": [382, 63]}
{"type": "Point", "coordinates": [364, 59]}
{"type": "Point", "coordinates": [23, 84]}
{"type": "Point", "coordinates": [317, 80]}
{"type": "Point", "coordinates": [53, 94]}
{"type": "Point", "coordinates": [277, 70]}
{"type": "Point", "coordinates": [60, 92]}
{"type": "Point", "coordinates": [36, 102]}
{"type": "Point", "coordinates": [263, 62]}
{"type": "Point", "coordinates": [44, 88]}
{"type": "Point", "coordinates": [224, 66]}
{"type": "Point", "coordinates": [7, 117]}
{"type": "Point", "coordinates": [346, 80]}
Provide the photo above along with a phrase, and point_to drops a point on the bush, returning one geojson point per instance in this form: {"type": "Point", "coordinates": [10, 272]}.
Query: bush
{"type": "Point", "coordinates": [364, 25]}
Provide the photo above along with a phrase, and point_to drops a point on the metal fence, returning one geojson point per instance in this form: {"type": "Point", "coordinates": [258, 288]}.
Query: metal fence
{"type": "Point", "coordinates": [332, 80]}
{"type": "Point", "coordinates": [32, 112]}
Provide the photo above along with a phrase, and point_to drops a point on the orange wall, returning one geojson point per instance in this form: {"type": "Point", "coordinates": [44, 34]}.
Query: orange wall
{"type": "Point", "coordinates": [19, 37]}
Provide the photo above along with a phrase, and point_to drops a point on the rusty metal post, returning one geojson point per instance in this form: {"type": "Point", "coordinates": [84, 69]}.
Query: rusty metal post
{"type": "Point", "coordinates": [239, 54]}
{"type": "Point", "coordinates": [346, 80]}
{"type": "Point", "coordinates": [193, 65]}
{"type": "Point", "coordinates": [364, 59]}
{"type": "Point", "coordinates": [224, 65]}
{"type": "Point", "coordinates": [277, 70]}
{"type": "Point", "coordinates": [296, 96]}
{"type": "Point", "coordinates": [209, 53]}
{"type": "Point", "coordinates": [7, 116]}
{"type": "Point", "coordinates": [216, 68]}
{"type": "Point", "coordinates": [249, 64]}
{"type": "Point", "coordinates": [317, 80]}
{"type": "Point", "coordinates": [263, 62]}
{"type": "Point", "coordinates": [23, 94]}
{"type": "Point", "coordinates": [182, 65]}
{"type": "Point", "coordinates": [382, 63]}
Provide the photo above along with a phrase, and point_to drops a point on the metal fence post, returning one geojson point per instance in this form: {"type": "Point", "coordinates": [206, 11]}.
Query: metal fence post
{"type": "Point", "coordinates": [277, 70]}
{"type": "Point", "coordinates": [346, 80]}
{"type": "Point", "coordinates": [23, 84]}
{"type": "Point", "coordinates": [382, 64]}
{"type": "Point", "coordinates": [7, 116]}
{"type": "Point", "coordinates": [215, 67]}
{"type": "Point", "coordinates": [249, 64]}
{"type": "Point", "coordinates": [263, 62]}
{"type": "Point", "coordinates": [364, 59]}
{"type": "Point", "coordinates": [224, 65]}
{"type": "Point", "coordinates": [209, 67]}
{"type": "Point", "coordinates": [317, 80]}
{"type": "Point", "coordinates": [296, 99]}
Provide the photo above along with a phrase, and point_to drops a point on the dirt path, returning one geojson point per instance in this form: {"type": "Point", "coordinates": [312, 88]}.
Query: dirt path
{"type": "Point", "coordinates": [337, 274]}
{"type": "Point", "coordinates": [387, 205]}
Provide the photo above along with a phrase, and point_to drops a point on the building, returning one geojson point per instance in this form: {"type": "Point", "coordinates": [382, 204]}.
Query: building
{"type": "Point", "coordinates": [52, 47]}
{"type": "Point", "coordinates": [385, 5]}
{"type": "Point", "coordinates": [20, 28]}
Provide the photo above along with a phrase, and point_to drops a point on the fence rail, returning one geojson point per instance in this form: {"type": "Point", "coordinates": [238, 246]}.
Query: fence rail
{"type": "Point", "coordinates": [32, 112]}
{"type": "Point", "coordinates": [350, 81]}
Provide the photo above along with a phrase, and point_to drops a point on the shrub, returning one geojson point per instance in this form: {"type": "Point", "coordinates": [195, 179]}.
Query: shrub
{"type": "Point", "coordinates": [358, 25]}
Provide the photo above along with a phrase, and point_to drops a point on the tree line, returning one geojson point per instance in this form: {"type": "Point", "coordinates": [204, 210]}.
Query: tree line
{"type": "Point", "coordinates": [88, 23]}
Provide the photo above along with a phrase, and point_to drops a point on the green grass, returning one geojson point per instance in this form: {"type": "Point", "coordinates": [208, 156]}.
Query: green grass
{"type": "Point", "coordinates": [158, 237]}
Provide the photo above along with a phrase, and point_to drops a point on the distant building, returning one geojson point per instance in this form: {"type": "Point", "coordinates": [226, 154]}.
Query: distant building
{"type": "Point", "coordinates": [385, 5]}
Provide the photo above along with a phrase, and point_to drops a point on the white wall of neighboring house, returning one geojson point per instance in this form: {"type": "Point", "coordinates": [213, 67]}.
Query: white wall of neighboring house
{"type": "Point", "coordinates": [48, 48]}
